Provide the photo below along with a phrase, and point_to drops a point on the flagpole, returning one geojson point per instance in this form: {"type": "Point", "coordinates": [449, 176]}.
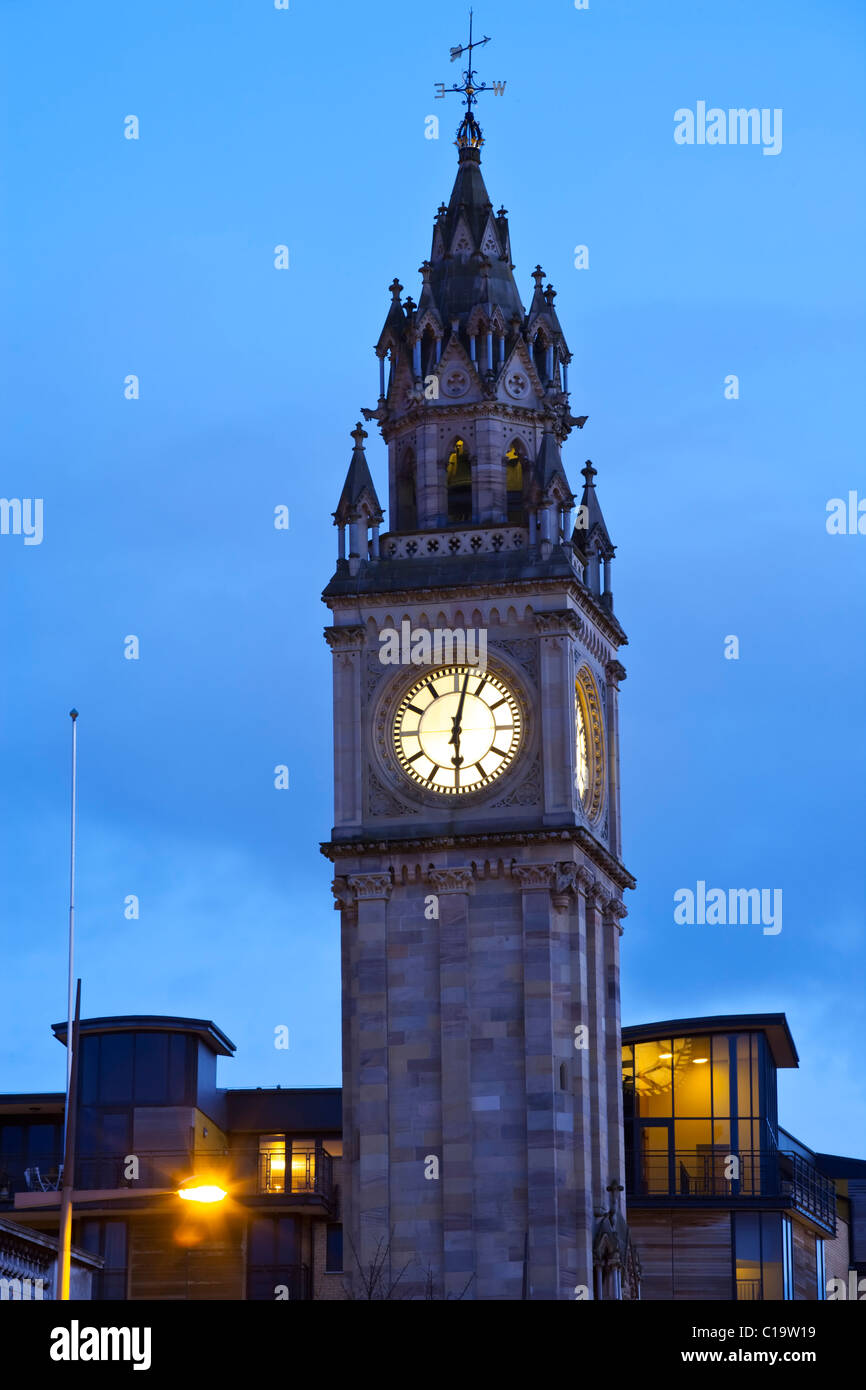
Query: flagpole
{"type": "Point", "coordinates": [73, 715]}
{"type": "Point", "coordinates": [61, 1290]}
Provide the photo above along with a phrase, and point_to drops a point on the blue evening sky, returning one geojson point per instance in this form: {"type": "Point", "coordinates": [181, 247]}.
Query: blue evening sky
{"type": "Point", "coordinates": [155, 257]}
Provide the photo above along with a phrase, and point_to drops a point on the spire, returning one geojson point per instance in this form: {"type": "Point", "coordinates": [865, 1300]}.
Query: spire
{"type": "Point", "coordinates": [395, 322]}
{"type": "Point", "coordinates": [358, 493]}
{"type": "Point", "coordinates": [590, 522]}
{"type": "Point", "coordinates": [549, 469]}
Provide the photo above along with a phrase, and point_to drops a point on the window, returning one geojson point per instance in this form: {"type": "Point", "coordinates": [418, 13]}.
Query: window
{"type": "Point", "coordinates": [104, 1138]}
{"type": "Point", "coordinates": [303, 1165]}
{"type": "Point", "coordinates": [458, 483]}
{"type": "Point", "coordinates": [334, 1248]}
{"type": "Point", "coordinates": [272, 1163]}
{"type": "Point", "coordinates": [407, 501]}
{"type": "Point", "coordinates": [108, 1239]}
{"type": "Point", "coordinates": [788, 1258]}
{"type": "Point", "coordinates": [514, 487]}
{"type": "Point", "coordinates": [702, 1096]}
{"type": "Point", "coordinates": [273, 1259]}
{"type": "Point", "coordinates": [137, 1069]}
{"type": "Point", "coordinates": [758, 1255]}
{"type": "Point", "coordinates": [820, 1270]}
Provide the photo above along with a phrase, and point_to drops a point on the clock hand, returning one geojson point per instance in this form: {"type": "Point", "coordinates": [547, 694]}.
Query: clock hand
{"type": "Point", "coordinates": [456, 724]}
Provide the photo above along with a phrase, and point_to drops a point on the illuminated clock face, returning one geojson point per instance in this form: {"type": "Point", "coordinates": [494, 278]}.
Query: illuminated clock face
{"type": "Point", "coordinates": [581, 753]}
{"type": "Point", "coordinates": [457, 729]}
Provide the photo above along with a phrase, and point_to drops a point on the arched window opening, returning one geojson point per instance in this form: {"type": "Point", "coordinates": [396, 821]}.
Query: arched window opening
{"type": "Point", "coordinates": [428, 352]}
{"type": "Point", "coordinates": [458, 479]}
{"type": "Point", "coordinates": [407, 497]}
{"type": "Point", "coordinates": [539, 356]}
{"type": "Point", "coordinates": [514, 487]}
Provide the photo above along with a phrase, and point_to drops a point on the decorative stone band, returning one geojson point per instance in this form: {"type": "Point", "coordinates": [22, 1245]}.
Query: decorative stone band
{"type": "Point", "coordinates": [605, 621]}
{"type": "Point", "coordinates": [422, 544]}
{"type": "Point", "coordinates": [335, 850]}
{"type": "Point", "coordinates": [349, 638]}
{"type": "Point", "coordinates": [559, 879]}
{"type": "Point", "coordinates": [558, 624]}
{"type": "Point", "coordinates": [534, 876]}
{"type": "Point", "coordinates": [450, 880]}
{"type": "Point", "coordinates": [350, 889]}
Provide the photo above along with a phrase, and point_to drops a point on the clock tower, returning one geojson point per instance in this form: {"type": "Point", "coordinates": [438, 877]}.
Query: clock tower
{"type": "Point", "coordinates": [476, 841]}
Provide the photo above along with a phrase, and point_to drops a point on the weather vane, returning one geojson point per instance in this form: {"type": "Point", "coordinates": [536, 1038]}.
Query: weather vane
{"type": "Point", "coordinates": [469, 131]}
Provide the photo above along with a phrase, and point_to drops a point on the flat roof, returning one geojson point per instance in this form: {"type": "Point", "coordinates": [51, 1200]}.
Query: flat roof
{"type": "Point", "coordinates": [838, 1166]}
{"type": "Point", "coordinates": [284, 1108]}
{"type": "Point", "coordinates": [203, 1028]}
{"type": "Point", "coordinates": [773, 1026]}
{"type": "Point", "coordinates": [44, 1102]}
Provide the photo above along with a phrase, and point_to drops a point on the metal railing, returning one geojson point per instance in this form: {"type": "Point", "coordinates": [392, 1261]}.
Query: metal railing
{"type": "Point", "coordinates": [713, 1174]}
{"type": "Point", "coordinates": [296, 1169]}
{"type": "Point", "coordinates": [810, 1192]}
{"type": "Point", "coordinates": [246, 1170]}
{"type": "Point", "coordinates": [749, 1291]}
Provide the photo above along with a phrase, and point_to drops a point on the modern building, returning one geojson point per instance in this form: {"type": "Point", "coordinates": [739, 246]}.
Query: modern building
{"type": "Point", "coordinates": [476, 841]}
{"type": "Point", "coordinates": [150, 1118]}
{"type": "Point", "coordinates": [781, 1222]}
{"type": "Point", "coordinates": [723, 1202]}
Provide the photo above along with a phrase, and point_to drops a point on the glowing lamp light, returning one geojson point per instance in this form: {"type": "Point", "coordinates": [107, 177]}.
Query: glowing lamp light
{"type": "Point", "coordinates": [665, 1056]}
{"type": "Point", "coordinates": [698, 1060]}
{"type": "Point", "coordinates": [196, 1190]}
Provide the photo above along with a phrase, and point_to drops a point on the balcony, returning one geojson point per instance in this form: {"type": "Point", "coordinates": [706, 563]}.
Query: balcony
{"type": "Point", "coordinates": [305, 1168]}
{"type": "Point", "coordinates": [700, 1176]}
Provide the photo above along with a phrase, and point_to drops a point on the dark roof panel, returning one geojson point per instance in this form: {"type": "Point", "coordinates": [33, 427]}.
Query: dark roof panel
{"type": "Point", "coordinates": [207, 1031]}
{"type": "Point", "coordinates": [774, 1026]}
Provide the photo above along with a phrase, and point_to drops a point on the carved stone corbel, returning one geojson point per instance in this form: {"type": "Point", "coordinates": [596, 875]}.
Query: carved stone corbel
{"type": "Point", "coordinates": [342, 639]}
{"type": "Point", "coordinates": [370, 887]}
{"type": "Point", "coordinates": [565, 885]}
{"type": "Point", "coordinates": [450, 880]}
{"type": "Point", "coordinates": [534, 876]}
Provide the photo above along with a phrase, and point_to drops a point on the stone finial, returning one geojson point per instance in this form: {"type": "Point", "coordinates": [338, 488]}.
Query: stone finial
{"type": "Point", "coordinates": [359, 434]}
{"type": "Point", "coordinates": [589, 473]}
{"type": "Point", "coordinates": [538, 276]}
{"type": "Point", "coordinates": [396, 288]}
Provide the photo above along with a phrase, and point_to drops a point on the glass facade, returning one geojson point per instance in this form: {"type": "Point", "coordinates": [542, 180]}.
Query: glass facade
{"type": "Point", "coordinates": [758, 1255]}
{"type": "Point", "coordinates": [695, 1111]}
{"type": "Point", "coordinates": [107, 1238]}
{"type": "Point", "coordinates": [137, 1069]}
{"type": "Point", "coordinates": [274, 1268]}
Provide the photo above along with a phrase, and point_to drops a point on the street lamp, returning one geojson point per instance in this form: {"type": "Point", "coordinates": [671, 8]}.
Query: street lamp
{"type": "Point", "coordinates": [196, 1189]}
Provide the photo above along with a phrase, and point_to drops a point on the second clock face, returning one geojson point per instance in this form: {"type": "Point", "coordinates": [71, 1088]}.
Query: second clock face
{"type": "Point", "coordinates": [457, 729]}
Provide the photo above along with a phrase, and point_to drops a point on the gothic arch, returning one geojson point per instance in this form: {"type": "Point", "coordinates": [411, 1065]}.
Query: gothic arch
{"type": "Point", "coordinates": [458, 483]}
{"type": "Point", "coordinates": [517, 481]}
{"type": "Point", "coordinates": [407, 492]}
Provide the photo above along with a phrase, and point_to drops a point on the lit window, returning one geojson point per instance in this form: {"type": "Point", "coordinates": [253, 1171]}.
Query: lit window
{"type": "Point", "coordinates": [272, 1163]}
{"type": "Point", "coordinates": [303, 1166]}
